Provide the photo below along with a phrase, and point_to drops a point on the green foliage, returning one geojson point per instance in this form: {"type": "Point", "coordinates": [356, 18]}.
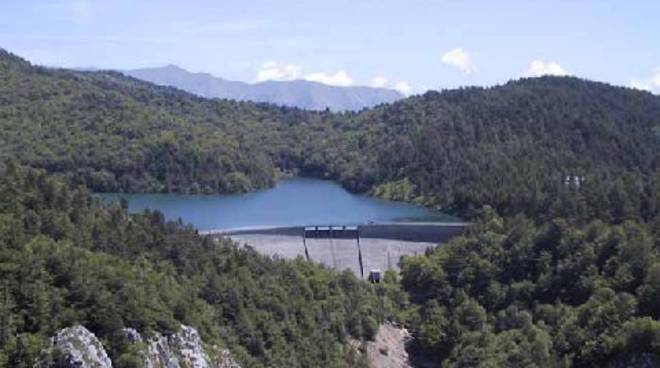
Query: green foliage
{"type": "Point", "coordinates": [114, 133]}
{"type": "Point", "coordinates": [511, 146]}
{"type": "Point", "coordinates": [649, 292]}
{"type": "Point", "coordinates": [641, 335]}
{"type": "Point", "coordinates": [569, 276]}
{"type": "Point", "coordinates": [400, 190]}
{"type": "Point", "coordinates": [514, 293]}
{"type": "Point", "coordinates": [100, 267]}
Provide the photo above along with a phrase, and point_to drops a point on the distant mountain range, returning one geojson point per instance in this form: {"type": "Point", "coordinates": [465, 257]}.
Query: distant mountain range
{"type": "Point", "coordinates": [298, 93]}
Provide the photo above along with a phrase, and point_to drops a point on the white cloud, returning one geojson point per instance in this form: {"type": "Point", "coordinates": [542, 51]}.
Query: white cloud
{"type": "Point", "coordinates": [378, 82]}
{"type": "Point", "coordinates": [651, 84]}
{"type": "Point", "coordinates": [272, 70]}
{"type": "Point", "coordinates": [539, 68]}
{"type": "Point", "coordinates": [459, 59]}
{"type": "Point", "coordinates": [340, 78]}
{"type": "Point", "coordinates": [403, 87]}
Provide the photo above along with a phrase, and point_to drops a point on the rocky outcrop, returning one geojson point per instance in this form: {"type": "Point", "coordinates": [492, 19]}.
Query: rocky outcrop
{"type": "Point", "coordinates": [388, 350]}
{"type": "Point", "coordinates": [224, 359]}
{"type": "Point", "coordinates": [188, 346]}
{"type": "Point", "coordinates": [182, 349]}
{"type": "Point", "coordinates": [78, 347]}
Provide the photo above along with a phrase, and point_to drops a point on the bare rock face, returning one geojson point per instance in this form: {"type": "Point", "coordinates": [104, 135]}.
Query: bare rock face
{"type": "Point", "coordinates": [224, 359]}
{"type": "Point", "coordinates": [159, 354]}
{"type": "Point", "coordinates": [78, 347]}
{"type": "Point", "coordinates": [188, 346]}
{"type": "Point", "coordinates": [388, 350]}
{"type": "Point", "coordinates": [183, 349]}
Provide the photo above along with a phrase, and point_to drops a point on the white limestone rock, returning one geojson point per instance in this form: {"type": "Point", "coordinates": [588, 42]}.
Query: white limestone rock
{"type": "Point", "coordinates": [189, 348]}
{"type": "Point", "coordinates": [80, 348]}
{"type": "Point", "coordinates": [224, 359]}
{"type": "Point", "coordinates": [182, 349]}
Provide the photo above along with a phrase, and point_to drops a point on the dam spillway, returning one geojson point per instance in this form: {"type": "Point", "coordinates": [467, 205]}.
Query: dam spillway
{"type": "Point", "coordinates": [356, 248]}
{"type": "Point", "coordinates": [339, 254]}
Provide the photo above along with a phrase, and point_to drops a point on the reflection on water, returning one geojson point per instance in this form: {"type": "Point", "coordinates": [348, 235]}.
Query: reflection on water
{"type": "Point", "coordinates": [293, 202]}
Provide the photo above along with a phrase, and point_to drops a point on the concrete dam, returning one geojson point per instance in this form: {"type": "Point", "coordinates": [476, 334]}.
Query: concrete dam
{"type": "Point", "coordinates": [359, 249]}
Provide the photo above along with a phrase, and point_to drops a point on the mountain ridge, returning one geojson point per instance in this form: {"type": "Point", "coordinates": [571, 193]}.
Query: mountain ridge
{"type": "Point", "coordinates": [111, 132]}
{"type": "Point", "coordinates": [554, 271]}
{"type": "Point", "coordinates": [295, 93]}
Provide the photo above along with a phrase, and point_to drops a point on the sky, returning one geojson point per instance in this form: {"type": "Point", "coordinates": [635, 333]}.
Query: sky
{"type": "Point", "coordinates": [411, 45]}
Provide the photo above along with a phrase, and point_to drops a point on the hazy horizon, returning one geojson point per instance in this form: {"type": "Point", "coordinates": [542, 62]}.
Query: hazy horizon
{"type": "Point", "coordinates": [407, 46]}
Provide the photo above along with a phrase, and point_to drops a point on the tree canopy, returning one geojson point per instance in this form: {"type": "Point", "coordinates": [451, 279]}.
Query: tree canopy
{"type": "Point", "coordinates": [517, 294]}
{"type": "Point", "coordinates": [557, 146]}
{"type": "Point", "coordinates": [560, 175]}
{"type": "Point", "coordinates": [65, 258]}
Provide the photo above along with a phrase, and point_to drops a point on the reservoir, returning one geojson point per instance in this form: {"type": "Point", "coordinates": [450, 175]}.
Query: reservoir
{"type": "Point", "coordinates": [292, 202]}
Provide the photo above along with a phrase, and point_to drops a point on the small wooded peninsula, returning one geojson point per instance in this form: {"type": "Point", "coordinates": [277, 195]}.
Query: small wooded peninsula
{"type": "Point", "coordinates": [558, 175]}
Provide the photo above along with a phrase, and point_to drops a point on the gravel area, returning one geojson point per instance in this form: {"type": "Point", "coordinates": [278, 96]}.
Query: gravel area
{"type": "Point", "coordinates": [389, 348]}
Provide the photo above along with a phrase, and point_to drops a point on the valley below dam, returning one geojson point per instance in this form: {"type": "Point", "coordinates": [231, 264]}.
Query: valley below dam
{"type": "Point", "coordinates": [313, 218]}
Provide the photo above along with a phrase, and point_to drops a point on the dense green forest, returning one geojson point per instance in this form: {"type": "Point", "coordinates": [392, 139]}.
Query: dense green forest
{"type": "Point", "coordinates": [510, 146]}
{"type": "Point", "coordinates": [561, 268]}
{"type": "Point", "coordinates": [113, 133]}
{"type": "Point", "coordinates": [513, 293]}
{"type": "Point", "coordinates": [65, 259]}
{"type": "Point", "coordinates": [513, 146]}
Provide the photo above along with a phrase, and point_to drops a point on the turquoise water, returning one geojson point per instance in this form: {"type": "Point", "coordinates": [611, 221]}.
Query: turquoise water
{"type": "Point", "coordinates": [293, 202]}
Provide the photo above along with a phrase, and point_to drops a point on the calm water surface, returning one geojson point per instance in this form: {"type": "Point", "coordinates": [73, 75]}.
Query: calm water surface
{"type": "Point", "coordinates": [293, 202]}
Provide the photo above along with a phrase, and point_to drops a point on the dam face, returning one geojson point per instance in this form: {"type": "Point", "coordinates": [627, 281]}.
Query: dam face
{"type": "Point", "coordinates": [339, 254]}
{"type": "Point", "coordinates": [376, 246]}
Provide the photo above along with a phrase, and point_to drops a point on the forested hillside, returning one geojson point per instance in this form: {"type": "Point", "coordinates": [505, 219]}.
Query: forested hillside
{"type": "Point", "coordinates": [65, 259]}
{"type": "Point", "coordinates": [560, 269]}
{"type": "Point", "coordinates": [112, 133]}
{"type": "Point", "coordinates": [512, 146]}
{"type": "Point", "coordinates": [512, 293]}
